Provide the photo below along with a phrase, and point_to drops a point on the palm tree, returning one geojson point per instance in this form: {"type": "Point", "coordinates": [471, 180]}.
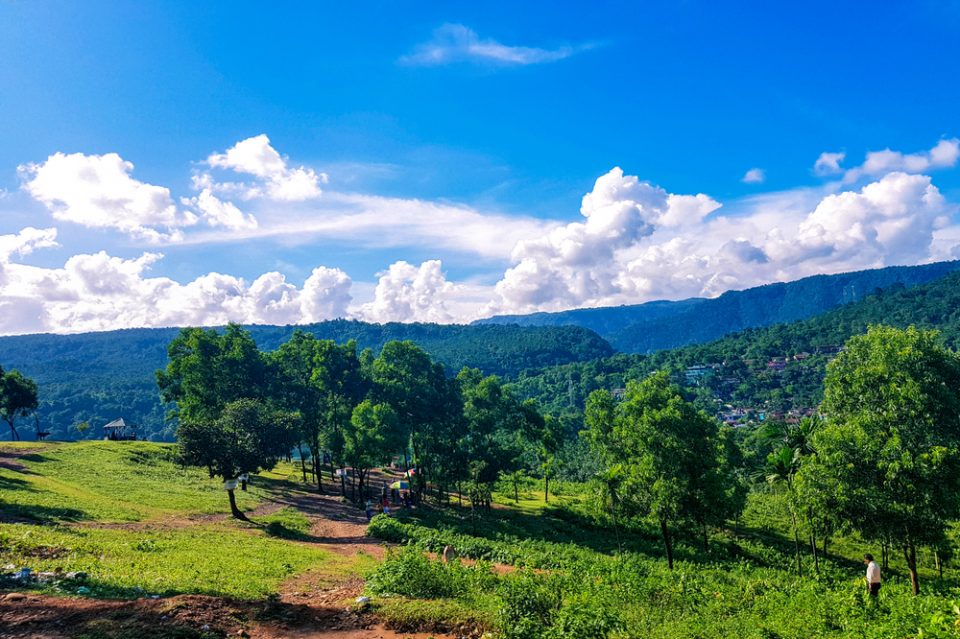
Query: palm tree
{"type": "Point", "coordinates": [782, 465]}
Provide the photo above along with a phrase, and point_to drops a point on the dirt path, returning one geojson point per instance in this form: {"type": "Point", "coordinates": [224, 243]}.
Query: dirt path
{"type": "Point", "coordinates": [24, 616]}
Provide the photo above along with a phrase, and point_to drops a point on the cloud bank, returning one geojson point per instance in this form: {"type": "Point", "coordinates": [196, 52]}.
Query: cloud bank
{"type": "Point", "coordinates": [634, 241]}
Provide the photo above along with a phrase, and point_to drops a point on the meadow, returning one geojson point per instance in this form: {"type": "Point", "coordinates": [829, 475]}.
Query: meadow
{"type": "Point", "coordinates": [141, 526]}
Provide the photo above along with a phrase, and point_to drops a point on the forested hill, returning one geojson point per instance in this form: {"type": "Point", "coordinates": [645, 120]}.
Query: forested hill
{"type": "Point", "coordinates": [98, 377]}
{"type": "Point", "coordinates": [654, 326]}
{"type": "Point", "coordinates": [777, 368]}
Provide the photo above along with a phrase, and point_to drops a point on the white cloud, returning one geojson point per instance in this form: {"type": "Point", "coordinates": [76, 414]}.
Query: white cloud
{"type": "Point", "coordinates": [26, 241]}
{"type": "Point", "coordinates": [277, 181]}
{"type": "Point", "coordinates": [375, 221]}
{"type": "Point", "coordinates": [216, 212]}
{"type": "Point", "coordinates": [630, 255]}
{"type": "Point", "coordinates": [457, 43]}
{"type": "Point", "coordinates": [407, 293]}
{"type": "Point", "coordinates": [577, 263]}
{"type": "Point", "coordinates": [943, 155]}
{"type": "Point", "coordinates": [97, 191]}
{"type": "Point", "coordinates": [829, 163]}
{"type": "Point", "coordinates": [102, 292]}
{"type": "Point", "coordinates": [754, 176]}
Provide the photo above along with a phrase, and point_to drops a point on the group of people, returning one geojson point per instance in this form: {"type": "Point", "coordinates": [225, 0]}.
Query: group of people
{"type": "Point", "coordinates": [389, 498]}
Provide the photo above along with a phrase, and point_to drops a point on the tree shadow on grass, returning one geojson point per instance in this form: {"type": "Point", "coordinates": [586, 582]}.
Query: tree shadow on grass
{"type": "Point", "coordinates": [31, 513]}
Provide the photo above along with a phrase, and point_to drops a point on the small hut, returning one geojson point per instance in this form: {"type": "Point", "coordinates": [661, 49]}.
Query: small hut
{"type": "Point", "coordinates": [119, 430]}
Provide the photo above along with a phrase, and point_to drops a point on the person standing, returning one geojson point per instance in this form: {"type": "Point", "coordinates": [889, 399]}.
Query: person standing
{"type": "Point", "coordinates": [873, 575]}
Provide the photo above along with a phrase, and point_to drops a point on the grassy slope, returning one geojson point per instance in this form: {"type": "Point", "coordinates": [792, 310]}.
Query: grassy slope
{"type": "Point", "coordinates": [743, 587]}
{"type": "Point", "coordinates": [84, 497]}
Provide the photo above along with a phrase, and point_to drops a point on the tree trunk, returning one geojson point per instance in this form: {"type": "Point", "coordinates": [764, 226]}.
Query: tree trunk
{"type": "Point", "coordinates": [706, 538]}
{"type": "Point", "coordinates": [813, 548]}
{"type": "Point", "coordinates": [546, 489]}
{"type": "Point", "coordinates": [665, 532]}
{"type": "Point", "coordinates": [796, 543]}
{"type": "Point", "coordinates": [910, 554]}
{"type": "Point", "coordinates": [303, 463]}
{"type": "Point", "coordinates": [14, 435]}
{"type": "Point", "coordinates": [884, 556]}
{"type": "Point", "coordinates": [939, 563]}
{"type": "Point", "coordinates": [237, 514]}
{"type": "Point", "coordinates": [516, 492]}
{"type": "Point", "coordinates": [825, 539]}
{"type": "Point", "coordinates": [459, 495]}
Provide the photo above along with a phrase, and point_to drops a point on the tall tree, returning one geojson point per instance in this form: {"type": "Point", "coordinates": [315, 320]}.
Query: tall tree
{"type": "Point", "coordinates": [421, 395]}
{"type": "Point", "coordinates": [892, 442]}
{"type": "Point", "coordinates": [339, 378]}
{"type": "Point", "coordinates": [295, 389]}
{"type": "Point", "coordinates": [18, 398]}
{"type": "Point", "coordinates": [667, 455]}
{"type": "Point", "coordinates": [209, 369]}
{"type": "Point", "coordinates": [247, 437]}
{"type": "Point", "coordinates": [371, 437]}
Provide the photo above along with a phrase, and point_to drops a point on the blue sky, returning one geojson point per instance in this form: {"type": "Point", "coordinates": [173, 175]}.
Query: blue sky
{"type": "Point", "coordinates": [437, 155]}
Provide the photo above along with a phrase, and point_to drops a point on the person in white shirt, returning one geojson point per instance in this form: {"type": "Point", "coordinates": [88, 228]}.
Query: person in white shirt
{"type": "Point", "coordinates": [873, 575]}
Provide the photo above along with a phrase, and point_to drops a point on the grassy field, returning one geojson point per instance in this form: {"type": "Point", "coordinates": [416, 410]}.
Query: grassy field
{"type": "Point", "coordinates": [113, 482]}
{"type": "Point", "coordinates": [139, 524]}
{"type": "Point", "coordinates": [572, 583]}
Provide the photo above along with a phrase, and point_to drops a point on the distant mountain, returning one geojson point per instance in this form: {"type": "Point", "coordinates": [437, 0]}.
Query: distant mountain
{"type": "Point", "coordinates": [644, 328]}
{"type": "Point", "coordinates": [779, 367]}
{"type": "Point", "coordinates": [98, 377]}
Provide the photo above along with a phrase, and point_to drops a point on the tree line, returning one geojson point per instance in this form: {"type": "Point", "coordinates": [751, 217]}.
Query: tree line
{"type": "Point", "coordinates": [882, 457]}
{"type": "Point", "coordinates": [240, 410]}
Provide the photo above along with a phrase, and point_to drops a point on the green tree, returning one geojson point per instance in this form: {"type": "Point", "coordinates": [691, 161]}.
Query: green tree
{"type": "Point", "coordinates": [339, 378]}
{"type": "Point", "coordinates": [421, 395]}
{"type": "Point", "coordinates": [18, 398]}
{"type": "Point", "coordinates": [208, 369]}
{"type": "Point", "coordinates": [667, 455]}
{"type": "Point", "coordinates": [371, 437]}
{"type": "Point", "coordinates": [295, 389]}
{"type": "Point", "coordinates": [891, 447]}
{"type": "Point", "coordinates": [247, 437]}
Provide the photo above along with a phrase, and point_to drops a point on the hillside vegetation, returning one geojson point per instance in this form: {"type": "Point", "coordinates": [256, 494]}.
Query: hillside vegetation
{"type": "Point", "coordinates": [777, 368]}
{"type": "Point", "coordinates": [98, 377]}
{"type": "Point", "coordinates": [661, 325]}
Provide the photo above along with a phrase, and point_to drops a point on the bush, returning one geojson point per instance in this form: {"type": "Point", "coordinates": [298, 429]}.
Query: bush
{"type": "Point", "coordinates": [410, 573]}
{"type": "Point", "coordinates": [529, 604]}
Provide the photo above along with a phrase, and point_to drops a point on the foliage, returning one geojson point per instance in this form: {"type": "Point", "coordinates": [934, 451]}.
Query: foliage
{"type": "Point", "coordinates": [246, 438]}
{"type": "Point", "coordinates": [891, 450]}
{"type": "Point", "coordinates": [98, 377]}
{"type": "Point", "coordinates": [661, 457]}
{"type": "Point", "coordinates": [18, 398]}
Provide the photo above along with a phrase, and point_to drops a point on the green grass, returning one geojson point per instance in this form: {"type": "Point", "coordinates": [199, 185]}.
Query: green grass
{"type": "Point", "coordinates": [114, 481]}
{"type": "Point", "coordinates": [213, 560]}
{"type": "Point", "coordinates": [743, 588]}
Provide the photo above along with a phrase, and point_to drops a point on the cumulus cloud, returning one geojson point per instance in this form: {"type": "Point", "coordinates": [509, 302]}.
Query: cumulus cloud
{"type": "Point", "coordinates": [101, 292]}
{"type": "Point", "coordinates": [575, 264]}
{"type": "Point", "coordinates": [26, 241]}
{"type": "Point", "coordinates": [943, 155]}
{"type": "Point", "coordinates": [407, 293]}
{"type": "Point", "coordinates": [97, 191]}
{"type": "Point", "coordinates": [457, 43]}
{"type": "Point", "coordinates": [633, 252]}
{"type": "Point", "coordinates": [276, 180]}
{"type": "Point", "coordinates": [216, 212]}
{"type": "Point", "coordinates": [754, 176]}
{"type": "Point", "coordinates": [829, 163]}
